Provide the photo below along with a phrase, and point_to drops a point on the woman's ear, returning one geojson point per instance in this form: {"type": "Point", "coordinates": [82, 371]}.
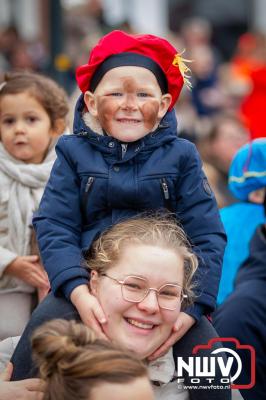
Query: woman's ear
{"type": "Point", "coordinates": [94, 281]}
{"type": "Point", "coordinates": [165, 104]}
{"type": "Point", "coordinates": [90, 101]}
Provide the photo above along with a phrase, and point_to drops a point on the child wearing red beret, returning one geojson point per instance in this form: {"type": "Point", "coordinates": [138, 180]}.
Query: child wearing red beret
{"type": "Point", "coordinates": [125, 158]}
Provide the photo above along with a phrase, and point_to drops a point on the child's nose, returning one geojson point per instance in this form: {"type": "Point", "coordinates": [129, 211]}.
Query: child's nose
{"type": "Point", "coordinates": [130, 102]}
{"type": "Point", "coordinates": [150, 303]}
{"type": "Point", "coordinates": [20, 127]}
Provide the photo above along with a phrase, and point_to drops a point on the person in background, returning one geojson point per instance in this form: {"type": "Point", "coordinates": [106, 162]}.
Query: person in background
{"type": "Point", "coordinates": [33, 111]}
{"type": "Point", "coordinates": [226, 135]}
{"type": "Point", "coordinates": [253, 104]}
{"type": "Point", "coordinates": [247, 182]}
{"type": "Point", "coordinates": [75, 364]}
{"type": "Point", "coordinates": [243, 313]}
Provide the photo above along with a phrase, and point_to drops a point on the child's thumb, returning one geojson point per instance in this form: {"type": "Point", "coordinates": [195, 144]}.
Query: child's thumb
{"type": "Point", "coordinates": [33, 258]}
{"type": "Point", "coordinates": [178, 325]}
{"type": "Point", "coordinates": [99, 314]}
{"type": "Point", "coordinates": [7, 373]}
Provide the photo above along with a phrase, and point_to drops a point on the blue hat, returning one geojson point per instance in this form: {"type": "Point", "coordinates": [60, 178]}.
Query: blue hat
{"type": "Point", "coordinates": [248, 169]}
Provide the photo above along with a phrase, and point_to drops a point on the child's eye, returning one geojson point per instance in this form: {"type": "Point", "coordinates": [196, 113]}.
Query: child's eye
{"type": "Point", "coordinates": [143, 94]}
{"type": "Point", "coordinates": [116, 94]}
{"type": "Point", "coordinates": [32, 119]}
{"type": "Point", "coordinates": [8, 121]}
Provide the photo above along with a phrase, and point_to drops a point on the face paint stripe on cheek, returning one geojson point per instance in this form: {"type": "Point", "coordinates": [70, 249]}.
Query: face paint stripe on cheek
{"type": "Point", "coordinates": [106, 111]}
{"type": "Point", "coordinates": [150, 113]}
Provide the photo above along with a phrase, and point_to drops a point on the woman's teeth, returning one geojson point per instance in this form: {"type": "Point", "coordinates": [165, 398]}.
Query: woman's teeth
{"type": "Point", "coordinates": [140, 324]}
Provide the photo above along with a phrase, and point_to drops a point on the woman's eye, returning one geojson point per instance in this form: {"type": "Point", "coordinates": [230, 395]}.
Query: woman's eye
{"type": "Point", "coordinates": [133, 286]}
{"type": "Point", "coordinates": [169, 292]}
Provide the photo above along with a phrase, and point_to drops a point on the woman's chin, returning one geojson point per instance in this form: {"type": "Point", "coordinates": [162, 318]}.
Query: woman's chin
{"type": "Point", "coordinates": [140, 346]}
{"type": "Point", "coordinates": [141, 352]}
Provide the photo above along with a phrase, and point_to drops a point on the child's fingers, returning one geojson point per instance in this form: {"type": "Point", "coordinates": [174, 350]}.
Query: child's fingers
{"type": "Point", "coordinates": [39, 281]}
{"type": "Point", "coordinates": [41, 276]}
{"type": "Point", "coordinates": [6, 374]}
{"type": "Point", "coordinates": [98, 313]}
{"type": "Point", "coordinates": [35, 384]}
{"type": "Point", "coordinates": [32, 258]}
{"type": "Point", "coordinates": [96, 327]}
{"type": "Point", "coordinates": [89, 318]}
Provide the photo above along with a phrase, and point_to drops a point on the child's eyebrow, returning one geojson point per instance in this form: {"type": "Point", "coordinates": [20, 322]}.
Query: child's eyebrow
{"type": "Point", "coordinates": [9, 114]}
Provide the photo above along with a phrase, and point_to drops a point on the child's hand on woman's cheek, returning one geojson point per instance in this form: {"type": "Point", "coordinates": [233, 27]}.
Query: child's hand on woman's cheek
{"type": "Point", "coordinates": [183, 323]}
{"type": "Point", "coordinates": [89, 309]}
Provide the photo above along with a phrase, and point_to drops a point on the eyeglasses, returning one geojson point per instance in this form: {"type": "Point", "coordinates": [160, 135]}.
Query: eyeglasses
{"type": "Point", "coordinates": [134, 289]}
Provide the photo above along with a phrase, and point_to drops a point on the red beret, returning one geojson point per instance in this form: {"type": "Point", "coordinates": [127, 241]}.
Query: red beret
{"type": "Point", "coordinates": [157, 49]}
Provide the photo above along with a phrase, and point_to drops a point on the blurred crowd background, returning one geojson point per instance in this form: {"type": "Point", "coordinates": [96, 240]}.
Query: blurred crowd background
{"type": "Point", "coordinates": [225, 39]}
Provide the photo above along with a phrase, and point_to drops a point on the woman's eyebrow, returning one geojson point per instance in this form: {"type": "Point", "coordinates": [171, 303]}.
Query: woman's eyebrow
{"type": "Point", "coordinates": [147, 279]}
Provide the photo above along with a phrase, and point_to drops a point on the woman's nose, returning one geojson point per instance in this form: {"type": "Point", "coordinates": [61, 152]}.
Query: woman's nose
{"type": "Point", "coordinates": [150, 303]}
{"type": "Point", "coordinates": [130, 102]}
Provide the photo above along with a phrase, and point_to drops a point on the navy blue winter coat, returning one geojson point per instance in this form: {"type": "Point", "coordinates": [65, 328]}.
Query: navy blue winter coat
{"type": "Point", "coordinates": [95, 182]}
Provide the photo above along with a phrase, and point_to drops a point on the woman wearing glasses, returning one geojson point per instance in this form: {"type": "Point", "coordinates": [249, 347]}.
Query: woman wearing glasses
{"type": "Point", "coordinates": [141, 272]}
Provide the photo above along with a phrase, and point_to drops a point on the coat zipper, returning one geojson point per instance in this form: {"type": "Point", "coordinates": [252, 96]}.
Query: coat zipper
{"type": "Point", "coordinates": [123, 149]}
{"type": "Point", "coordinates": [166, 194]}
{"type": "Point", "coordinates": [165, 189]}
{"type": "Point", "coordinates": [89, 184]}
{"type": "Point", "coordinates": [88, 187]}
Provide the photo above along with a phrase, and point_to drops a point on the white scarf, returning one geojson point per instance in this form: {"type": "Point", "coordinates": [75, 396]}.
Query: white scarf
{"type": "Point", "coordinates": [162, 370]}
{"type": "Point", "coordinates": [27, 184]}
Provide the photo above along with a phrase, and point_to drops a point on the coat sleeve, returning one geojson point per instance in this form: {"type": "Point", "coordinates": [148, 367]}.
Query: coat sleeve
{"type": "Point", "coordinates": [198, 212]}
{"type": "Point", "coordinates": [58, 225]}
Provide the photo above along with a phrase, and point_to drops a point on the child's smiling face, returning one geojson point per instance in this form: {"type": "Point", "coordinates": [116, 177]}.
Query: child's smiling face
{"type": "Point", "coordinates": [128, 103]}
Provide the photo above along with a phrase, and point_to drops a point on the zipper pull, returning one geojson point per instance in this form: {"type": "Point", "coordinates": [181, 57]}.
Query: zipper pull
{"type": "Point", "coordinates": [124, 149]}
{"type": "Point", "coordinates": [165, 189]}
{"type": "Point", "coordinates": [89, 184]}
{"type": "Point", "coordinates": [82, 133]}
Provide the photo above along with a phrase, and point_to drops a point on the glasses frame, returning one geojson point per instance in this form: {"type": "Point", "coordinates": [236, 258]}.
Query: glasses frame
{"type": "Point", "coordinates": [121, 283]}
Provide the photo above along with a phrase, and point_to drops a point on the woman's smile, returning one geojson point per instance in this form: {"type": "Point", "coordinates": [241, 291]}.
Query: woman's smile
{"type": "Point", "coordinates": [141, 324]}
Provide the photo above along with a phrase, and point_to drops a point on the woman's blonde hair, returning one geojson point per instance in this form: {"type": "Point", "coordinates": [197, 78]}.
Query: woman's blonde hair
{"type": "Point", "coordinates": [73, 361]}
{"type": "Point", "coordinates": [46, 91]}
{"type": "Point", "coordinates": [162, 231]}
